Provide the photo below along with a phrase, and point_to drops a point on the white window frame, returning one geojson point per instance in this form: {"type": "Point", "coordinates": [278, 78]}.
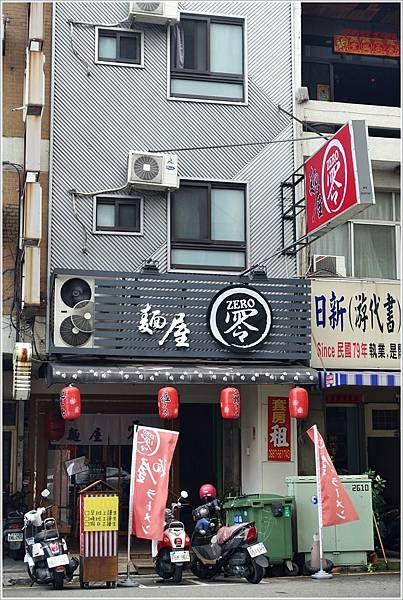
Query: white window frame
{"type": "Point", "coordinates": [247, 228]}
{"type": "Point", "coordinates": [384, 433]}
{"type": "Point", "coordinates": [95, 231]}
{"type": "Point", "coordinates": [354, 222]}
{"type": "Point", "coordinates": [394, 223]}
{"type": "Point", "coordinates": [112, 63]}
{"type": "Point", "coordinates": [245, 102]}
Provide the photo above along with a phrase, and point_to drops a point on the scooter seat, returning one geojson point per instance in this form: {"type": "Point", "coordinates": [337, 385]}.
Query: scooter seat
{"type": "Point", "coordinates": [49, 534]}
{"type": "Point", "coordinates": [224, 533]}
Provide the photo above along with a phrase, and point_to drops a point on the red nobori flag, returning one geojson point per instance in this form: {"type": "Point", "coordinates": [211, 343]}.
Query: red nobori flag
{"type": "Point", "coordinates": [152, 455]}
{"type": "Point", "coordinates": [337, 507]}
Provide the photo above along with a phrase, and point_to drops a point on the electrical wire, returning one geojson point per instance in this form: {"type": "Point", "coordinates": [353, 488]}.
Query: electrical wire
{"type": "Point", "coordinates": [238, 145]}
{"type": "Point", "coordinates": [17, 283]}
{"type": "Point", "coordinates": [72, 23]}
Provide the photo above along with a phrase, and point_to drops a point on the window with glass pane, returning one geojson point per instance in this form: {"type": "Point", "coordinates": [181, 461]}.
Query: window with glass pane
{"type": "Point", "coordinates": [374, 251]}
{"type": "Point", "coordinates": [189, 215]}
{"type": "Point", "coordinates": [334, 243]}
{"type": "Point", "coordinates": [208, 226]}
{"type": "Point", "coordinates": [119, 46]}
{"type": "Point", "coordinates": [117, 214]}
{"type": "Point", "coordinates": [207, 57]}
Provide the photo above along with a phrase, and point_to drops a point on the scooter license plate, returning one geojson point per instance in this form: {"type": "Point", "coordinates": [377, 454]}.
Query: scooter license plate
{"type": "Point", "coordinates": [55, 561]}
{"type": "Point", "coordinates": [15, 537]}
{"type": "Point", "coordinates": [179, 556]}
{"type": "Point", "coordinates": [257, 550]}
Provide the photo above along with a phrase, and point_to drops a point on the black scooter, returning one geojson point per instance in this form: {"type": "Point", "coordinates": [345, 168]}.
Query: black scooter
{"type": "Point", "coordinates": [13, 527]}
{"type": "Point", "coordinates": [46, 552]}
{"type": "Point", "coordinates": [233, 551]}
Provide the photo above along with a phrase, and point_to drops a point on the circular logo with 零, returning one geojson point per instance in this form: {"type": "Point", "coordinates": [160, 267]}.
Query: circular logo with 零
{"type": "Point", "coordinates": [334, 176]}
{"type": "Point", "coordinates": [239, 318]}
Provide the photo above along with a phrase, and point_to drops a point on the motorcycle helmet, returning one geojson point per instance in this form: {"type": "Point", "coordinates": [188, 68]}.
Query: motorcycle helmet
{"type": "Point", "coordinates": [207, 491]}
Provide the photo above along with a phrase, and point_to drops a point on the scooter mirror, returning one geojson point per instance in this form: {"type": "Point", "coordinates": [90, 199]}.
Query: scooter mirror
{"type": "Point", "coordinates": [45, 493]}
{"type": "Point", "coordinates": [184, 494]}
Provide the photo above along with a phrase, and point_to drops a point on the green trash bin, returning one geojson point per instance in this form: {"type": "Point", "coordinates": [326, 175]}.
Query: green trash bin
{"type": "Point", "coordinates": [273, 516]}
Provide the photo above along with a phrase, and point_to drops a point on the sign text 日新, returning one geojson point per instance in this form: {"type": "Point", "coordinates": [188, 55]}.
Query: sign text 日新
{"type": "Point", "coordinates": [355, 324]}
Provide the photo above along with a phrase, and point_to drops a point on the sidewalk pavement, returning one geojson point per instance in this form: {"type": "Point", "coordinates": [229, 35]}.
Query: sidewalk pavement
{"type": "Point", "coordinates": [15, 572]}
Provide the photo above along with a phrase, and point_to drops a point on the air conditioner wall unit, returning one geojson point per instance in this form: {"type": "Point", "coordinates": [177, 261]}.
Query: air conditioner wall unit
{"type": "Point", "coordinates": [155, 12]}
{"type": "Point", "coordinates": [154, 171]}
{"type": "Point", "coordinates": [73, 312]}
{"type": "Point", "coordinates": [329, 265]}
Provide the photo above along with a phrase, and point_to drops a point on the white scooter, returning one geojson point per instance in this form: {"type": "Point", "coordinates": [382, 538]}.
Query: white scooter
{"type": "Point", "coordinates": [45, 551]}
{"type": "Point", "coordinates": [171, 554]}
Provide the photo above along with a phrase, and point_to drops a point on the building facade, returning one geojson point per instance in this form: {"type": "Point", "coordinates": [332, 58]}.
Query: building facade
{"type": "Point", "coordinates": [349, 68]}
{"type": "Point", "coordinates": [137, 264]}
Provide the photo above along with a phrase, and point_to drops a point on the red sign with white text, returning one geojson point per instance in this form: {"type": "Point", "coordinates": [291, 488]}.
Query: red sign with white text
{"type": "Point", "coordinates": [152, 460]}
{"type": "Point", "coordinates": [330, 180]}
{"type": "Point", "coordinates": [279, 430]}
{"type": "Point", "coordinates": [337, 507]}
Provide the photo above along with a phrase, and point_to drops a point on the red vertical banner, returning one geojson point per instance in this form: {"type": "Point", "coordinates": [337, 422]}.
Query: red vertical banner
{"type": "Point", "coordinates": [152, 455]}
{"type": "Point", "coordinates": [279, 430]}
{"type": "Point", "coordinates": [336, 505]}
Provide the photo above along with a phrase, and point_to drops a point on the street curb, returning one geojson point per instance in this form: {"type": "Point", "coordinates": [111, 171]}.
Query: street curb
{"type": "Point", "coordinates": [27, 581]}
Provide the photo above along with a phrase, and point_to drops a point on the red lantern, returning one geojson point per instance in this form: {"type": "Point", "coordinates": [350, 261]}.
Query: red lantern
{"type": "Point", "coordinates": [168, 403]}
{"type": "Point", "coordinates": [230, 399]}
{"type": "Point", "coordinates": [55, 426]}
{"type": "Point", "coordinates": [70, 402]}
{"type": "Point", "coordinates": [298, 403]}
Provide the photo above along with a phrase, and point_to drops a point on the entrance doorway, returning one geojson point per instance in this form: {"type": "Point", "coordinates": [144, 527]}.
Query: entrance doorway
{"type": "Point", "coordinates": [210, 451]}
{"type": "Point", "coordinates": [342, 439]}
{"type": "Point", "coordinates": [200, 448]}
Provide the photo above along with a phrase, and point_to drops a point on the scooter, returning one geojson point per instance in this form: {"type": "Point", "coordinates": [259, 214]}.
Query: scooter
{"type": "Point", "coordinates": [171, 554]}
{"type": "Point", "coordinates": [233, 551]}
{"type": "Point", "coordinates": [46, 551]}
{"type": "Point", "coordinates": [13, 528]}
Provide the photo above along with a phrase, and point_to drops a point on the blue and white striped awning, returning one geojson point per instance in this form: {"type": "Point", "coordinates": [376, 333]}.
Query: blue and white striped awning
{"type": "Point", "coordinates": [337, 378]}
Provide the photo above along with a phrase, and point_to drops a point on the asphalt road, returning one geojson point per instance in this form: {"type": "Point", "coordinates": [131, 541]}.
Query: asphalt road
{"type": "Point", "coordinates": [340, 586]}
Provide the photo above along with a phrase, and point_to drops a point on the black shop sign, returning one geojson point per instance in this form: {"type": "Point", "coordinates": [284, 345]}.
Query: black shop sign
{"type": "Point", "coordinates": [239, 318]}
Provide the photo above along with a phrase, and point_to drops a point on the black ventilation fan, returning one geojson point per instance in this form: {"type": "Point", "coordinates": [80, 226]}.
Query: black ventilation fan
{"type": "Point", "coordinates": [82, 316]}
{"type": "Point", "coordinates": [146, 168]}
{"type": "Point", "coordinates": [75, 290]}
{"type": "Point", "coordinates": [71, 335]}
{"type": "Point", "coordinates": [148, 6]}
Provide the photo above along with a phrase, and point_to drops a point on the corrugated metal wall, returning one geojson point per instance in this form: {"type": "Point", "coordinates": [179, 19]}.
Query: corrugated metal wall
{"type": "Point", "coordinates": [99, 117]}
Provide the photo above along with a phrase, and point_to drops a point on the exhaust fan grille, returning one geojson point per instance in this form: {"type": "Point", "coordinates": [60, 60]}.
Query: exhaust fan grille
{"type": "Point", "coordinates": [83, 316]}
{"type": "Point", "coordinates": [147, 168]}
{"type": "Point", "coordinates": [149, 6]}
{"type": "Point", "coordinates": [71, 335]}
{"type": "Point", "coordinates": [74, 291]}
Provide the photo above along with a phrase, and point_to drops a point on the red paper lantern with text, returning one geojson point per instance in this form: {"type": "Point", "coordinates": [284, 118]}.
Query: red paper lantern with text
{"type": "Point", "coordinates": [55, 426]}
{"type": "Point", "coordinates": [298, 403]}
{"type": "Point", "coordinates": [168, 403]}
{"type": "Point", "coordinates": [70, 402]}
{"type": "Point", "coordinates": [230, 400]}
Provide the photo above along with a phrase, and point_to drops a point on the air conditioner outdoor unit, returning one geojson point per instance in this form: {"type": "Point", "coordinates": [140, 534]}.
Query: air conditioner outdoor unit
{"type": "Point", "coordinates": [155, 12]}
{"type": "Point", "coordinates": [329, 266]}
{"type": "Point", "coordinates": [153, 171]}
{"type": "Point", "coordinates": [73, 312]}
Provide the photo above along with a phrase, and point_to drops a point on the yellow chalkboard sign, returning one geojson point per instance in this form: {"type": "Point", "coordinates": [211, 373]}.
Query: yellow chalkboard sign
{"type": "Point", "coordinates": [101, 513]}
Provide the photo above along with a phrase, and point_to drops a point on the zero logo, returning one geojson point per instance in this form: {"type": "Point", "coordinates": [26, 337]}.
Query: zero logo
{"type": "Point", "coordinates": [334, 176]}
{"type": "Point", "coordinates": [148, 441]}
{"type": "Point", "coordinates": [239, 318]}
